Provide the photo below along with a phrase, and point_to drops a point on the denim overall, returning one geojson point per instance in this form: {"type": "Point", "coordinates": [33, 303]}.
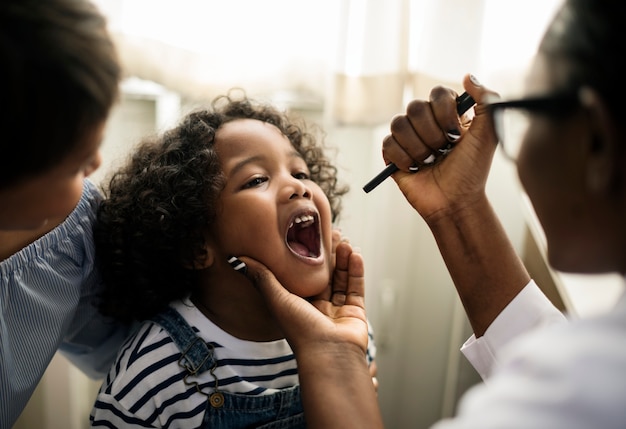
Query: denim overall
{"type": "Point", "coordinates": [281, 410]}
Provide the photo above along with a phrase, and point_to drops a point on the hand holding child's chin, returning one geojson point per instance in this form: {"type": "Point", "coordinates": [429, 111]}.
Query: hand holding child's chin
{"type": "Point", "coordinates": [335, 317]}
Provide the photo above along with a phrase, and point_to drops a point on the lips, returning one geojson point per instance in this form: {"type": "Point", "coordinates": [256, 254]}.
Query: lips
{"type": "Point", "coordinates": [303, 234]}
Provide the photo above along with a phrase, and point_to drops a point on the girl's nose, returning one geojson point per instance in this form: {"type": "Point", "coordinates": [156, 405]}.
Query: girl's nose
{"type": "Point", "coordinates": [297, 189]}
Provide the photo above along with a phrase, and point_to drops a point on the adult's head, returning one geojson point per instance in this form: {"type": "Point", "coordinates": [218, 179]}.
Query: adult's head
{"type": "Point", "coordinates": [61, 76]}
{"type": "Point", "coordinates": [573, 156]}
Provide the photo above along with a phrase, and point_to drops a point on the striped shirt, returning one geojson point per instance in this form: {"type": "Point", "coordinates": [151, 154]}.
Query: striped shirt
{"type": "Point", "coordinates": [146, 387]}
{"type": "Point", "coordinates": [46, 304]}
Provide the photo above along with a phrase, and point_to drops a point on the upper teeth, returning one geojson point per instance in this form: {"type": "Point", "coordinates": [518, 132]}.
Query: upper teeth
{"type": "Point", "coordinates": [302, 218]}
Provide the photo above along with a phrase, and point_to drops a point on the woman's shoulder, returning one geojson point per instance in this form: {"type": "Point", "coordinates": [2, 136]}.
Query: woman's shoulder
{"type": "Point", "coordinates": [71, 239]}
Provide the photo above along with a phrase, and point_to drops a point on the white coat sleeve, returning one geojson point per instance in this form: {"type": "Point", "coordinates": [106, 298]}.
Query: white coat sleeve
{"type": "Point", "coordinates": [529, 310]}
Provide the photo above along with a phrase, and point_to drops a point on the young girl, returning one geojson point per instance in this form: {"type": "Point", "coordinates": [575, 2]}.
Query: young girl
{"type": "Point", "coordinates": [239, 179]}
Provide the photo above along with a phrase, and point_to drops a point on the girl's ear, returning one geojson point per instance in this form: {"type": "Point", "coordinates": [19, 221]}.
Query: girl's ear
{"type": "Point", "coordinates": [205, 260]}
{"type": "Point", "coordinates": [603, 170]}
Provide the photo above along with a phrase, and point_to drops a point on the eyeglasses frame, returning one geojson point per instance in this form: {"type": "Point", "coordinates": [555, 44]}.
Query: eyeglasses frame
{"type": "Point", "coordinates": [557, 105]}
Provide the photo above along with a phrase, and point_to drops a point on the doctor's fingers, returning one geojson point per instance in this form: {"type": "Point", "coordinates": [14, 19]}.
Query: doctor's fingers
{"type": "Point", "coordinates": [405, 148]}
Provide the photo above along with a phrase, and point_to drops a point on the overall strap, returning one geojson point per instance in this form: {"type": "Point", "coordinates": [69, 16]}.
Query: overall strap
{"type": "Point", "coordinates": [197, 356]}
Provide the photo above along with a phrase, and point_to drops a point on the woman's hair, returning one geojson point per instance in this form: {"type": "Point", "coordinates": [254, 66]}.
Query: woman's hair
{"type": "Point", "coordinates": [60, 76]}
{"type": "Point", "coordinates": [589, 36]}
{"type": "Point", "coordinates": [149, 232]}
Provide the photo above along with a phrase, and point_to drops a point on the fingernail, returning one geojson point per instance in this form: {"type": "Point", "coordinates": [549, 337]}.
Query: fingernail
{"type": "Point", "coordinates": [446, 149]}
{"type": "Point", "coordinates": [413, 168]}
{"type": "Point", "coordinates": [474, 80]}
{"type": "Point", "coordinates": [238, 265]}
{"type": "Point", "coordinates": [453, 135]}
{"type": "Point", "coordinates": [430, 159]}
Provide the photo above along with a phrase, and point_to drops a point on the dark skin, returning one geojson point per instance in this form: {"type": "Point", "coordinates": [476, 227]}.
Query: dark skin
{"type": "Point", "coordinates": [40, 203]}
{"type": "Point", "coordinates": [451, 198]}
{"type": "Point", "coordinates": [329, 338]}
{"type": "Point", "coordinates": [582, 204]}
{"type": "Point", "coordinates": [12, 241]}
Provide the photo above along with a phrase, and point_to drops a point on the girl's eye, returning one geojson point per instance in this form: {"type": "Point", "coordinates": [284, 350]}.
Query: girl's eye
{"type": "Point", "coordinates": [301, 176]}
{"type": "Point", "coordinates": [254, 182]}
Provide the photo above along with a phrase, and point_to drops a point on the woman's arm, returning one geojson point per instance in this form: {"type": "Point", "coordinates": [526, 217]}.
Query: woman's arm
{"type": "Point", "coordinates": [450, 196]}
{"type": "Point", "coordinates": [329, 337]}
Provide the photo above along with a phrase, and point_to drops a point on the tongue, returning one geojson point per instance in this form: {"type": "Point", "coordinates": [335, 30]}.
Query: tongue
{"type": "Point", "coordinates": [299, 248]}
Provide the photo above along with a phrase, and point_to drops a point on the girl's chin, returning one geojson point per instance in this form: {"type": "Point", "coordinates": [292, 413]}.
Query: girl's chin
{"type": "Point", "coordinates": [308, 291]}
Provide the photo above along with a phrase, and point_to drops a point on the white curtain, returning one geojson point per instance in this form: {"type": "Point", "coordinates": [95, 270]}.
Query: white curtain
{"type": "Point", "coordinates": [359, 60]}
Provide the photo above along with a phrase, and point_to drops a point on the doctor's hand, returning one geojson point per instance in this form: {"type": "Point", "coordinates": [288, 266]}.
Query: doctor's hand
{"type": "Point", "coordinates": [329, 337]}
{"type": "Point", "coordinates": [334, 320]}
{"type": "Point", "coordinates": [446, 180]}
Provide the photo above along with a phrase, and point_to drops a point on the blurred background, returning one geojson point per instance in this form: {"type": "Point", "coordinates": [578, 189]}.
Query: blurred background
{"type": "Point", "coordinates": [347, 66]}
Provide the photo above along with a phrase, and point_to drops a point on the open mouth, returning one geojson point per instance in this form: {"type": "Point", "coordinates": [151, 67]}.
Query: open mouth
{"type": "Point", "coordinates": [303, 235]}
